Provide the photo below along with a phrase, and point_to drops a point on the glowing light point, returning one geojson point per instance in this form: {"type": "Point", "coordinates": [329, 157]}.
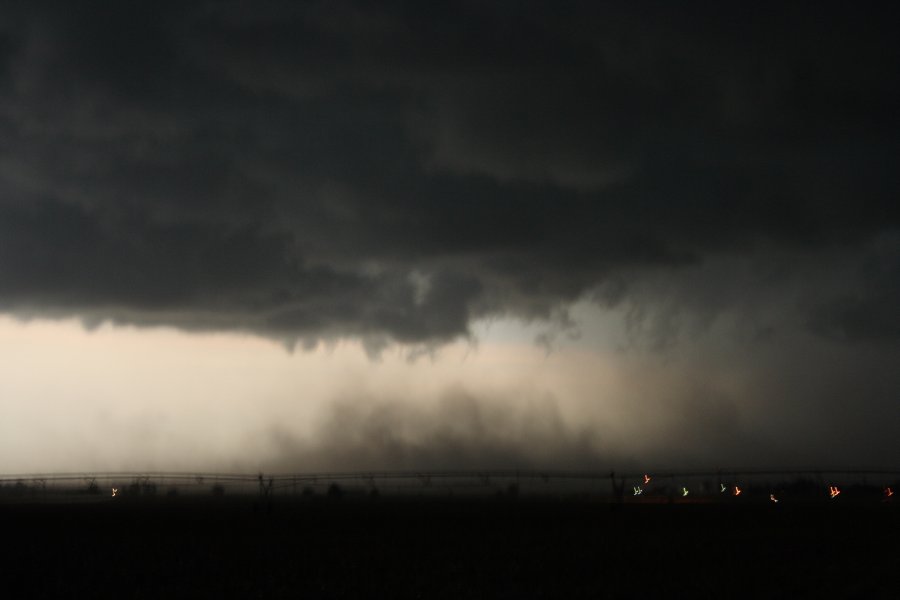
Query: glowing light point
{"type": "Point", "coordinates": [684, 491]}
{"type": "Point", "coordinates": [722, 485]}
{"type": "Point", "coordinates": [888, 492]}
{"type": "Point", "coordinates": [637, 490]}
{"type": "Point", "coordinates": [737, 491]}
{"type": "Point", "coordinates": [833, 491]}
{"type": "Point", "coordinates": [646, 479]}
{"type": "Point", "coordinates": [773, 498]}
{"type": "Point", "coordinates": [115, 491]}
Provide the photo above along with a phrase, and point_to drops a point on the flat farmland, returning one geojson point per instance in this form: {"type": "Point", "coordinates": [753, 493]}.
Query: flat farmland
{"type": "Point", "coordinates": [413, 548]}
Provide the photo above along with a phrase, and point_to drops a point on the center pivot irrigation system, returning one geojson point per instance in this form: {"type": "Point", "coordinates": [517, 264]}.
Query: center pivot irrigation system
{"type": "Point", "coordinates": [735, 486]}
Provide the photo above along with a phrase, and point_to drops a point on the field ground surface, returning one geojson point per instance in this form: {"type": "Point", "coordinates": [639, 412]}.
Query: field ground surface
{"type": "Point", "coordinates": [463, 548]}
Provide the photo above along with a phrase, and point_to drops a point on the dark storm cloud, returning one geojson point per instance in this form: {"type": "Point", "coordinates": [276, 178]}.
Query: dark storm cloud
{"type": "Point", "coordinates": [309, 170]}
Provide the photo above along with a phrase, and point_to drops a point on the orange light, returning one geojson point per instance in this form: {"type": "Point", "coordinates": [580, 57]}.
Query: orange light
{"type": "Point", "coordinates": [773, 498]}
{"type": "Point", "coordinates": [737, 491]}
{"type": "Point", "coordinates": [834, 491]}
{"type": "Point", "coordinates": [888, 492]}
{"type": "Point", "coordinates": [646, 479]}
{"type": "Point", "coordinates": [114, 492]}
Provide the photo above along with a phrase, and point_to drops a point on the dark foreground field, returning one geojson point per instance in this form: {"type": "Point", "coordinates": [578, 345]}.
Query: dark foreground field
{"type": "Point", "coordinates": [446, 549]}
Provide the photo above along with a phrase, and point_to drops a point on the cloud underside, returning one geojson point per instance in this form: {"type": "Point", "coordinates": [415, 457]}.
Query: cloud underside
{"type": "Point", "coordinates": [309, 171]}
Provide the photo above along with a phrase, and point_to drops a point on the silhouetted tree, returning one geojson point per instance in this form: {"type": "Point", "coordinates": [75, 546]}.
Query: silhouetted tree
{"type": "Point", "coordinates": [335, 492]}
{"type": "Point", "coordinates": [266, 487]}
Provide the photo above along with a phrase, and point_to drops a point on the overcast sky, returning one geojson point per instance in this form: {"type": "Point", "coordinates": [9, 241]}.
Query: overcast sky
{"type": "Point", "coordinates": [324, 235]}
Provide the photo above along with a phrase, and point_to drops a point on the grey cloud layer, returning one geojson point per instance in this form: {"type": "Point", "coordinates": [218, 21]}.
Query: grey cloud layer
{"type": "Point", "coordinates": [308, 170]}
